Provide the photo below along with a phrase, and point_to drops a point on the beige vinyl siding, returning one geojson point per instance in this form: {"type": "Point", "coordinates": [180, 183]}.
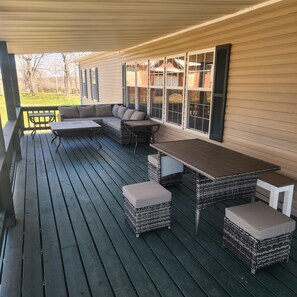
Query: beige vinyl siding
{"type": "Point", "coordinates": [261, 111]}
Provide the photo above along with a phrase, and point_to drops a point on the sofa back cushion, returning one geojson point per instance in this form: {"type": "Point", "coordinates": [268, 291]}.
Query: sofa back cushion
{"type": "Point", "coordinates": [115, 110]}
{"type": "Point", "coordinates": [138, 116]}
{"type": "Point", "coordinates": [86, 111]}
{"type": "Point", "coordinates": [103, 110]}
{"type": "Point", "coordinates": [68, 111]}
{"type": "Point", "coordinates": [127, 115]}
{"type": "Point", "coordinates": [121, 111]}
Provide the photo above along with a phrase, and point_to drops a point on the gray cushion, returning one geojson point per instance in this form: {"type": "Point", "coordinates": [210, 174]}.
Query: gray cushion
{"type": "Point", "coordinates": [260, 220]}
{"type": "Point", "coordinates": [103, 110]}
{"type": "Point", "coordinates": [110, 119]}
{"type": "Point", "coordinates": [138, 116]}
{"type": "Point", "coordinates": [115, 125]}
{"type": "Point", "coordinates": [68, 111]}
{"type": "Point", "coordinates": [121, 111]}
{"type": "Point", "coordinates": [86, 111]}
{"type": "Point", "coordinates": [115, 110]}
{"type": "Point", "coordinates": [127, 115]}
{"type": "Point", "coordinates": [146, 194]}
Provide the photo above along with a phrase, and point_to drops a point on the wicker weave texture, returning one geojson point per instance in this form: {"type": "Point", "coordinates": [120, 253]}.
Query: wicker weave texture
{"type": "Point", "coordinates": [256, 253]}
{"type": "Point", "coordinates": [210, 191]}
{"type": "Point", "coordinates": [148, 218]}
{"type": "Point", "coordinates": [154, 173]}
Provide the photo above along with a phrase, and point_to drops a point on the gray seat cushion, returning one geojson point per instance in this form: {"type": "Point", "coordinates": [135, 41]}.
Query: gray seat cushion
{"type": "Point", "coordinates": [260, 220]}
{"type": "Point", "coordinates": [115, 125]}
{"type": "Point", "coordinates": [146, 194]}
{"type": "Point", "coordinates": [107, 120]}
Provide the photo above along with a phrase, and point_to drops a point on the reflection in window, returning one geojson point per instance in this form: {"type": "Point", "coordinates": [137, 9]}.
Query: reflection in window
{"type": "Point", "coordinates": [174, 106]}
{"type": "Point", "coordinates": [175, 70]}
{"type": "Point", "coordinates": [199, 85]}
{"type": "Point", "coordinates": [199, 110]}
{"type": "Point", "coordinates": [142, 84]}
{"type": "Point", "coordinates": [130, 84]}
{"type": "Point", "coordinates": [157, 103]}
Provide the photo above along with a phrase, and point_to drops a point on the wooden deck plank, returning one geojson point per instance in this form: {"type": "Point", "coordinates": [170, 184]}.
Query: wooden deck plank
{"type": "Point", "coordinates": [54, 280]}
{"type": "Point", "coordinates": [32, 256]}
{"type": "Point", "coordinates": [84, 235]}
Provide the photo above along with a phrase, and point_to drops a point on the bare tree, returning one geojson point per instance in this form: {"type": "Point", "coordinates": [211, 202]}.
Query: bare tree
{"type": "Point", "coordinates": [29, 67]}
{"type": "Point", "coordinates": [67, 60]}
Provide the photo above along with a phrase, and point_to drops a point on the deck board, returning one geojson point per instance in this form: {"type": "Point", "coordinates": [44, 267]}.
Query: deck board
{"type": "Point", "coordinates": [71, 238]}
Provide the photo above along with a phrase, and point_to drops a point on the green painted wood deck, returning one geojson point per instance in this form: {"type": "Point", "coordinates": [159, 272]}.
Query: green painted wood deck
{"type": "Point", "coordinates": [71, 238]}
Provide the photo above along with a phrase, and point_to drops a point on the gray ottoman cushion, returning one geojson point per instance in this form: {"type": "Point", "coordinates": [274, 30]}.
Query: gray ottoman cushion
{"type": "Point", "coordinates": [260, 220]}
{"type": "Point", "coordinates": [146, 194]}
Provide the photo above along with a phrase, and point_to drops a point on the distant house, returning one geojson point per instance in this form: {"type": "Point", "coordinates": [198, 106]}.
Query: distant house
{"type": "Point", "coordinates": [258, 115]}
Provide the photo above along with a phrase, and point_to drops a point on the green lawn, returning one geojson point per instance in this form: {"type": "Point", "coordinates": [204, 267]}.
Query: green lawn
{"type": "Point", "coordinates": [41, 99]}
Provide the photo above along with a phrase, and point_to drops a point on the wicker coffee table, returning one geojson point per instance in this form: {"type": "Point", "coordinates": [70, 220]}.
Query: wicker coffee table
{"type": "Point", "coordinates": [75, 128]}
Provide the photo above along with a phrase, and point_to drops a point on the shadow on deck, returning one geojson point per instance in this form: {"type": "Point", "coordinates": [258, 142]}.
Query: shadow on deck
{"type": "Point", "coordinates": [71, 238]}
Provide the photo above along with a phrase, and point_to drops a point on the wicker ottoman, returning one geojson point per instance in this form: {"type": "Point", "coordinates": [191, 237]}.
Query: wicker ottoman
{"type": "Point", "coordinates": [165, 170]}
{"type": "Point", "coordinates": [258, 234]}
{"type": "Point", "coordinates": [147, 206]}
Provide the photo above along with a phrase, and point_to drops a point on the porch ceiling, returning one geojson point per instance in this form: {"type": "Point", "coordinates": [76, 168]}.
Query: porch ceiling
{"type": "Point", "coordinates": [97, 25]}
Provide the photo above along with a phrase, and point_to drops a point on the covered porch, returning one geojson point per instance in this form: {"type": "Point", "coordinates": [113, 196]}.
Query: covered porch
{"type": "Point", "coordinates": [71, 238]}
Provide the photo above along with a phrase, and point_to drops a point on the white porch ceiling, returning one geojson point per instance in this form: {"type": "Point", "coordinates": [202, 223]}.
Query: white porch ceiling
{"type": "Point", "coordinates": [42, 26]}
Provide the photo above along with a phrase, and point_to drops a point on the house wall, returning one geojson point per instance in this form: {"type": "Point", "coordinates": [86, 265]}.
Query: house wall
{"type": "Point", "coordinates": [261, 112]}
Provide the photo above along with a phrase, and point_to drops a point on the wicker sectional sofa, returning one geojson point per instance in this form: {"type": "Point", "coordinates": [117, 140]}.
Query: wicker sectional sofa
{"type": "Point", "coordinates": [111, 117]}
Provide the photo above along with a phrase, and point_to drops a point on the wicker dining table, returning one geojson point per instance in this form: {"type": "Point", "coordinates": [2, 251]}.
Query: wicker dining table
{"type": "Point", "coordinates": [221, 173]}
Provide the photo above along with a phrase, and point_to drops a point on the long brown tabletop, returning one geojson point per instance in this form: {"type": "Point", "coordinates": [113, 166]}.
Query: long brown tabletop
{"type": "Point", "coordinates": [211, 160]}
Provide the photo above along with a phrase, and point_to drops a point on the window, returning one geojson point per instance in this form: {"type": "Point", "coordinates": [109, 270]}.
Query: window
{"type": "Point", "coordinates": [130, 85]}
{"type": "Point", "coordinates": [142, 85]}
{"type": "Point", "coordinates": [175, 71]}
{"type": "Point", "coordinates": [94, 80]}
{"type": "Point", "coordinates": [156, 75]}
{"type": "Point", "coordinates": [199, 90]}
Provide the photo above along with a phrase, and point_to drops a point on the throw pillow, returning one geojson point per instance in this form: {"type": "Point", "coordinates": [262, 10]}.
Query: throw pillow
{"type": "Point", "coordinates": [138, 116]}
{"type": "Point", "coordinates": [114, 110]}
{"type": "Point", "coordinates": [121, 111]}
{"type": "Point", "coordinates": [127, 115]}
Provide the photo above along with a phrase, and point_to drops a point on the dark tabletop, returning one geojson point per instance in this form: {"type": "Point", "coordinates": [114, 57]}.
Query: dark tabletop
{"type": "Point", "coordinates": [211, 160]}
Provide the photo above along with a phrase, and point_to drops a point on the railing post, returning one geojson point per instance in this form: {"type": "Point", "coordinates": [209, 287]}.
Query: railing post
{"type": "Point", "coordinates": [6, 199]}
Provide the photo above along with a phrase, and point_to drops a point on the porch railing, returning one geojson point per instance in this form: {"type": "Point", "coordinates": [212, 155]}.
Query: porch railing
{"type": "Point", "coordinates": [25, 122]}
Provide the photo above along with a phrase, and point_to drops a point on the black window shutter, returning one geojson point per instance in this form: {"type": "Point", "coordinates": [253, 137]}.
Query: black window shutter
{"type": "Point", "coordinates": [124, 83]}
{"type": "Point", "coordinates": [222, 58]}
{"type": "Point", "coordinates": [91, 84]}
{"type": "Point", "coordinates": [97, 83]}
{"type": "Point", "coordinates": [86, 83]}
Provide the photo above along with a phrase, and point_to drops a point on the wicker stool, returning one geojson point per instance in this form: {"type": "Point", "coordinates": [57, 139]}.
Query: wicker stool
{"type": "Point", "coordinates": [258, 234]}
{"type": "Point", "coordinates": [169, 172]}
{"type": "Point", "coordinates": [147, 206]}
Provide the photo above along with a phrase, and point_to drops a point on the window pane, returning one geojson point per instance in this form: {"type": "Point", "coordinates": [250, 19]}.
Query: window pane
{"type": "Point", "coordinates": [131, 97]}
{"type": "Point", "coordinates": [175, 72]}
{"type": "Point", "coordinates": [142, 74]}
{"type": "Point", "coordinates": [157, 103]}
{"type": "Point", "coordinates": [157, 73]}
{"type": "Point", "coordinates": [130, 74]}
{"type": "Point", "coordinates": [142, 99]}
{"type": "Point", "coordinates": [174, 106]}
{"type": "Point", "coordinates": [199, 110]}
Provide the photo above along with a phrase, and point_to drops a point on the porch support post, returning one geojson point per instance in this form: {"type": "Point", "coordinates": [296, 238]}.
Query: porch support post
{"type": "Point", "coordinates": [6, 199]}
{"type": "Point", "coordinates": [11, 90]}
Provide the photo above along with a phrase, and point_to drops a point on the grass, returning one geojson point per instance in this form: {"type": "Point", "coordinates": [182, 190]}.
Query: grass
{"type": "Point", "coordinates": [41, 99]}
